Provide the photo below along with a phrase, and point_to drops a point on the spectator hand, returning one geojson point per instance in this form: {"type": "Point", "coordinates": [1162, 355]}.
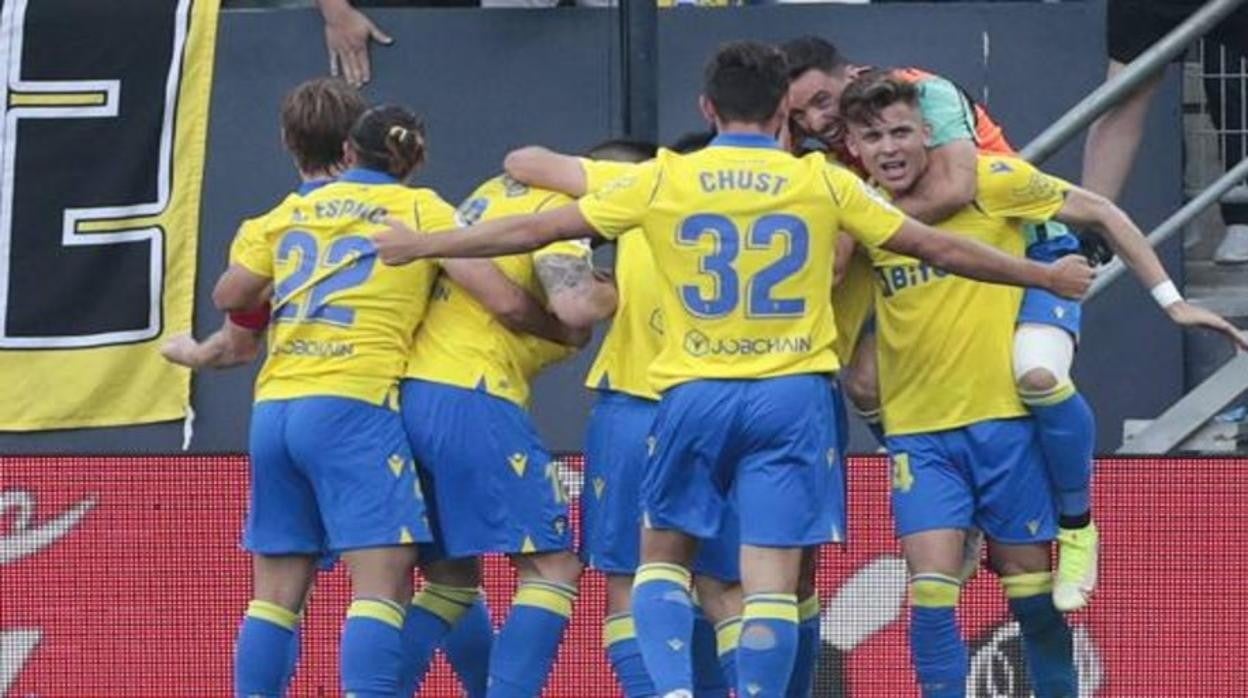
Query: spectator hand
{"type": "Point", "coordinates": [347, 31]}
{"type": "Point", "coordinates": [1188, 315]}
{"type": "Point", "coordinates": [1070, 276]}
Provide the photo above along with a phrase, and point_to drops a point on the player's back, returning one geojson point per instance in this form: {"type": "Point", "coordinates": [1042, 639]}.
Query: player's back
{"type": "Point", "coordinates": [743, 235]}
{"type": "Point", "coordinates": [342, 320]}
{"type": "Point", "coordinates": [460, 342]}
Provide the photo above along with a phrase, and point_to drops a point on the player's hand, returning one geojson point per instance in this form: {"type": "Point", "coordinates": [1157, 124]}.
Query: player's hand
{"type": "Point", "coordinates": [181, 350]}
{"type": "Point", "coordinates": [1070, 276]}
{"type": "Point", "coordinates": [398, 244]}
{"type": "Point", "coordinates": [347, 31]}
{"type": "Point", "coordinates": [1188, 315]}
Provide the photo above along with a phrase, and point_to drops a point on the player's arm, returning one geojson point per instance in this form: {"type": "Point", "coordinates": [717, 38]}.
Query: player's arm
{"type": "Point", "coordinates": [512, 306]}
{"type": "Point", "coordinates": [578, 296]}
{"type": "Point", "coordinates": [232, 345]}
{"type": "Point", "coordinates": [240, 288]}
{"type": "Point", "coordinates": [949, 185]}
{"type": "Point", "coordinates": [547, 169]}
{"type": "Point", "coordinates": [951, 180]}
{"type": "Point", "coordinates": [1069, 276]}
{"type": "Point", "coordinates": [1086, 209]}
{"type": "Point", "coordinates": [399, 244]}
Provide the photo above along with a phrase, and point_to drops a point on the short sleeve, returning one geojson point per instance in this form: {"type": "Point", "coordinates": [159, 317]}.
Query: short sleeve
{"type": "Point", "coordinates": [600, 173]}
{"type": "Point", "coordinates": [864, 213]}
{"type": "Point", "coordinates": [1013, 188]}
{"type": "Point", "coordinates": [946, 110]}
{"type": "Point", "coordinates": [432, 213]}
{"type": "Point", "coordinates": [251, 250]}
{"type": "Point", "coordinates": [621, 204]}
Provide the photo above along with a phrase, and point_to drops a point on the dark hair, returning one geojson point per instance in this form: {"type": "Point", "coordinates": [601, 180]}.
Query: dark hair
{"type": "Point", "coordinates": [389, 138]}
{"type": "Point", "coordinates": [692, 141]}
{"type": "Point", "coordinates": [623, 150]}
{"type": "Point", "coordinates": [316, 117]}
{"type": "Point", "coordinates": [873, 92]}
{"type": "Point", "coordinates": [745, 81]}
{"type": "Point", "coordinates": [812, 53]}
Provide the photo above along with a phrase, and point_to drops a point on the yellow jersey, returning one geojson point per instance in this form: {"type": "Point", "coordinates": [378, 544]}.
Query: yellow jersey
{"type": "Point", "coordinates": [946, 342]}
{"type": "Point", "coordinates": [461, 343]}
{"type": "Point", "coordinates": [342, 321]}
{"type": "Point", "coordinates": [636, 333]}
{"type": "Point", "coordinates": [852, 302]}
{"type": "Point", "coordinates": [743, 236]}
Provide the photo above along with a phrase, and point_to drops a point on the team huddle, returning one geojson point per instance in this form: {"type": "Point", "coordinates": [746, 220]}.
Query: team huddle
{"type": "Point", "coordinates": [757, 280]}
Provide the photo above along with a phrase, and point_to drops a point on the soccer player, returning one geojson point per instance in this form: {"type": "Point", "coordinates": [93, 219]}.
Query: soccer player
{"type": "Point", "coordinates": [616, 437]}
{"type": "Point", "coordinates": [962, 446]}
{"type": "Point", "coordinates": [1048, 326]}
{"type": "Point", "coordinates": [331, 470]}
{"type": "Point", "coordinates": [744, 373]}
{"type": "Point", "coordinates": [492, 486]}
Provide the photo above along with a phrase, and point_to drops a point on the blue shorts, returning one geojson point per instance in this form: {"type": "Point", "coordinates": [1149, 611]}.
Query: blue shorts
{"type": "Point", "coordinates": [615, 461]}
{"type": "Point", "coordinates": [330, 474]}
{"type": "Point", "coordinates": [1042, 307]}
{"type": "Point", "coordinates": [492, 486]}
{"type": "Point", "coordinates": [767, 446]}
{"type": "Point", "coordinates": [990, 475]}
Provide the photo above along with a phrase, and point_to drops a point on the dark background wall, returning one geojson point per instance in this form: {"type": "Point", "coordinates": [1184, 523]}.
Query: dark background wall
{"type": "Point", "coordinates": [488, 81]}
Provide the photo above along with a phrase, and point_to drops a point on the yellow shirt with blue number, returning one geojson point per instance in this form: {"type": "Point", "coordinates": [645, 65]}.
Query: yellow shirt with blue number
{"type": "Point", "coordinates": [743, 236]}
{"type": "Point", "coordinates": [342, 321]}
{"type": "Point", "coordinates": [636, 333]}
{"type": "Point", "coordinates": [460, 342]}
{"type": "Point", "coordinates": [945, 342]}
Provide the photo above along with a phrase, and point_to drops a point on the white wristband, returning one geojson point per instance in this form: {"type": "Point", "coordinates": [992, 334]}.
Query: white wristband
{"type": "Point", "coordinates": [1166, 294]}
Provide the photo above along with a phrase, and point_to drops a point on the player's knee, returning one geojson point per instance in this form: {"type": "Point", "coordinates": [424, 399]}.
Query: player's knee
{"type": "Point", "coordinates": [719, 599]}
{"type": "Point", "coordinates": [463, 572]}
{"type": "Point", "coordinates": [863, 390]}
{"type": "Point", "coordinates": [1036, 380]}
{"type": "Point", "coordinates": [561, 567]}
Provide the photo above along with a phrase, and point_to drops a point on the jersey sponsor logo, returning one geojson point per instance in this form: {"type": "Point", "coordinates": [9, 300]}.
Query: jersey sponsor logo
{"type": "Point", "coordinates": [1000, 167]}
{"type": "Point", "coordinates": [699, 345]}
{"type": "Point", "coordinates": [898, 278]}
{"type": "Point", "coordinates": [313, 348]}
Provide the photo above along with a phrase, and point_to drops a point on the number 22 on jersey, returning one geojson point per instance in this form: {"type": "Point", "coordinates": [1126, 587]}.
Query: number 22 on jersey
{"type": "Point", "coordinates": [347, 263]}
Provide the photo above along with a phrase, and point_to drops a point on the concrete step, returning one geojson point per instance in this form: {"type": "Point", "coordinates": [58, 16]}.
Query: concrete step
{"type": "Point", "coordinates": [1209, 274]}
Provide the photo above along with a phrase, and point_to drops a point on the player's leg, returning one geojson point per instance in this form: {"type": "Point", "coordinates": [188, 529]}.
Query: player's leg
{"type": "Point", "coordinates": [933, 505]}
{"type": "Point", "coordinates": [1015, 508]}
{"type": "Point", "coordinates": [283, 531]}
{"type": "Point", "coordinates": [790, 495]}
{"type": "Point", "coordinates": [468, 647]}
{"type": "Point", "coordinates": [683, 499]}
{"type": "Point", "coordinates": [809, 610]}
{"type": "Point", "coordinates": [1044, 348]}
{"type": "Point", "coordinates": [615, 458]}
{"type": "Point", "coordinates": [527, 643]}
{"type": "Point", "coordinates": [861, 380]}
{"type": "Point", "coordinates": [357, 458]}
{"type": "Point", "coordinates": [1048, 644]}
{"type": "Point", "coordinates": [716, 625]}
{"type": "Point", "coordinates": [450, 591]}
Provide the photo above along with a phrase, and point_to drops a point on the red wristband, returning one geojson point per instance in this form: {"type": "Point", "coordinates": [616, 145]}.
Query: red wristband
{"type": "Point", "coordinates": [254, 320]}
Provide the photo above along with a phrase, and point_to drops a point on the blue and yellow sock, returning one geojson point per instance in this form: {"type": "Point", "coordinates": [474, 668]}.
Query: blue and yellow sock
{"type": "Point", "coordinates": [874, 422]}
{"type": "Point", "coordinates": [619, 637]}
{"type": "Point", "coordinates": [767, 649]}
{"type": "Point", "coordinates": [802, 682]}
{"type": "Point", "coordinates": [468, 647]}
{"type": "Point", "coordinates": [528, 642]}
{"type": "Point", "coordinates": [708, 677]}
{"type": "Point", "coordinates": [262, 652]}
{"type": "Point", "coordinates": [434, 610]}
{"type": "Point", "coordinates": [936, 645]}
{"type": "Point", "coordinates": [663, 614]}
{"type": "Point", "coordinates": [372, 648]}
{"type": "Point", "coordinates": [292, 659]}
{"type": "Point", "coordinates": [1066, 430]}
{"type": "Point", "coordinates": [1047, 641]}
{"type": "Point", "coordinates": [727, 637]}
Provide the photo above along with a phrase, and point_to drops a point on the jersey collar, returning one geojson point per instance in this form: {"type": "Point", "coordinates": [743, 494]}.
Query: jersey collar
{"type": "Point", "coordinates": [746, 140]}
{"type": "Point", "coordinates": [312, 185]}
{"type": "Point", "coordinates": [360, 175]}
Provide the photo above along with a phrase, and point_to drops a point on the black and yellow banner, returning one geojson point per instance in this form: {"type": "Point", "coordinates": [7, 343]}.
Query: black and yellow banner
{"type": "Point", "coordinates": [101, 165]}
